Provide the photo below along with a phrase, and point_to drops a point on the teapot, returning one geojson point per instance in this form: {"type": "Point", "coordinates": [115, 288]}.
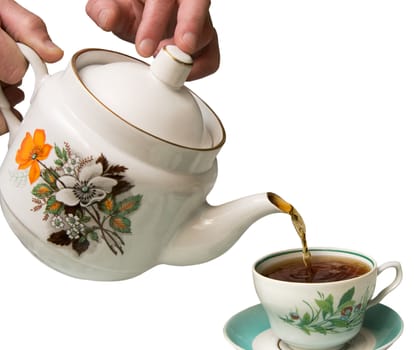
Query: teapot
{"type": "Point", "coordinates": [107, 175]}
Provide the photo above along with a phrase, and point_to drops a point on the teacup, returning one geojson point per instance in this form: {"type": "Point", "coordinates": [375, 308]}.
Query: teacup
{"type": "Point", "coordinates": [319, 315]}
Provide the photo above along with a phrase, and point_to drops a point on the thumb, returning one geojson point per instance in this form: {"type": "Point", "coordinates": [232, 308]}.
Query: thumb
{"type": "Point", "coordinates": [24, 26]}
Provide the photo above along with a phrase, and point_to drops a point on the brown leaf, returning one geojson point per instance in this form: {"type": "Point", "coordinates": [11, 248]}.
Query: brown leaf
{"type": "Point", "coordinates": [68, 149]}
{"type": "Point", "coordinates": [102, 159]}
{"type": "Point", "coordinates": [37, 207]}
{"type": "Point", "coordinates": [116, 169]}
{"type": "Point", "coordinates": [36, 200]}
{"type": "Point", "coordinates": [116, 177]}
{"type": "Point", "coordinates": [71, 210]}
{"type": "Point", "coordinates": [121, 187]}
{"type": "Point", "coordinates": [84, 162]}
{"type": "Point", "coordinates": [60, 238]}
{"type": "Point", "coordinates": [80, 245]}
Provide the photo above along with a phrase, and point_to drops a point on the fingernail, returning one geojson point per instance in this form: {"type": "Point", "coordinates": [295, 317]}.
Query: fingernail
{"type": "Point", "coordinates": [190, 40]}
{"type": "Point", "coordinates": [146, 47]}
{"type": "Point", "coordinates": [52, 46]}
{"type": "Point", "coordinates": [103, 18]}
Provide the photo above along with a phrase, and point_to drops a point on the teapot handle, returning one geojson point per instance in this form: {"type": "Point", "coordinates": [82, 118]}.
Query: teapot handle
{"type": "Point", "coordinates": [40, 72]}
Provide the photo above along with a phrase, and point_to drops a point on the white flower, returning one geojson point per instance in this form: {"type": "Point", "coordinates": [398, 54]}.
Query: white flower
{"type": "Point", "coordinates": [88, 188]}
{"type": "Point", "coordinates": [76, 228]}
{"type": "Point", "coordinates": [69, 167]}
{"type": "Point", "coordinates": [72, 220]}
{"type": "Point", "coordinates": [57, 222]}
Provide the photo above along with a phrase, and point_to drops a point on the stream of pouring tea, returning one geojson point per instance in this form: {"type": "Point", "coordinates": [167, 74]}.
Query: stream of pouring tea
{"type": "Point", "coordinates": [298, 223]}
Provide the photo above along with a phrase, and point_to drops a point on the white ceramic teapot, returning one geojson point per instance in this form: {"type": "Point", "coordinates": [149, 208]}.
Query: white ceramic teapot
{"type": "Point", "coordinates": [108, 173]}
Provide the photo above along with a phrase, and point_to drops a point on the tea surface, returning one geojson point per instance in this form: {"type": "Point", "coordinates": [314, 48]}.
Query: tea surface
{"type": "Point", "coordinates": [324, 269]}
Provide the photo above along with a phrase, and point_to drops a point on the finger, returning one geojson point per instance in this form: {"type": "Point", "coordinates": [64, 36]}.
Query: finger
{"type": "Point", "coordinates": [192, 25]}
{"type": "Point", "coordinates": [13, 94]}
{"type": "Point", "coordinates": [205, 61]}
{"type": "Point", "coordinates": [104, 13]}
{"type": "Point", "coordinates": [12, 63]}
{"type": "Point", "coordinates": [121, 17]}
{"type": "Point", "coordinates": [155, 20]}
{"type": "Point", "coordinates": [26, 27]}
{"type": "Point", "coordinates": [3, 124]}
{"type": "Point", "coordinates": [204, 39]}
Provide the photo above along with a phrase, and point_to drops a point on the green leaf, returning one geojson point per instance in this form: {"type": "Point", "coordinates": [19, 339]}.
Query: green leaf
{"type": "Point", "coordinates": [84, 219]}
{"type": "Point", "coordinates": [65, 155]}
{"type": "Point", "coordinates": [50, 177]}
{"type": "Point", "coordinates": [320, 329]}
{"type": "Point", "coordinates": [129, 205]}
{"type": "Point", "coordinates": [120, 224]}
{"type": "Point", "coordinates": [93, 236]}
{"type": "Point", "coordinates": [339, 323]}
{"type": "Point", "coordinates": [355, 322]}
{"type": "Point", "coordinates": [42, 190]}
{"type": "Point", "coordinates": [325, 305]}
{"type": "Point", "coordinates": [107, 205]}
{"type": "Point", "coordinates": [330, 300]}
{"type": "Point", "coordinates": [61, 153]}
{"type": "Point", "coordinates": [79, 212]}
{"type": "Point", "coordinates": [59, 163]}
{"type": "Point", "coordinates": [53, 206]}
{"type": "Point", "coordinates": [306, 319]}
{"type": "Point", "coordinates": [350, 303]}
{"type": "Point", "coordinates": [347, 297]}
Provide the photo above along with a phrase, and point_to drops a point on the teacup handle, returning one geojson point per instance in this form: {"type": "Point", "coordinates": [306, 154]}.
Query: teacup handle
{"type": "Point", "coordinates": [40, 72]}
{"type": "Point", "coordinates": [394, 284]}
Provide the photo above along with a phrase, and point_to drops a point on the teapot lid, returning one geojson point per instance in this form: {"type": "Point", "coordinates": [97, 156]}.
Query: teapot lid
{"type": "Point", "coordinates": [153, 99]}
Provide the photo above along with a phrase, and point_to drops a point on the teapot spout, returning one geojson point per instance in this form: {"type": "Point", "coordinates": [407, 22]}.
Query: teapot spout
{"type": "Point", "coordinates": [214, 229]}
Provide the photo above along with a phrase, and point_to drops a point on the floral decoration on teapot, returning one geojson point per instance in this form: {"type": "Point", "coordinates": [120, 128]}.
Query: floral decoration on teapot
{"type": "Point", "coordinates": [78, 195]}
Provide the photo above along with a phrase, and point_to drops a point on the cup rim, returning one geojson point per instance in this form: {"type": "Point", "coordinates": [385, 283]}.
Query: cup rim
{"type": "Point", "coordinates": [351, 252]}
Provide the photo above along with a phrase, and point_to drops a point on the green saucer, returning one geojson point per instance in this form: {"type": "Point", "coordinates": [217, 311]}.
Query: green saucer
{"type": "Point", "coordinates": [250, 330]}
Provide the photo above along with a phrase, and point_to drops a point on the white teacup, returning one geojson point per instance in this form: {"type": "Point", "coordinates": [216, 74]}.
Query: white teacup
{"type": "Point", "coordinates": [319, 316]}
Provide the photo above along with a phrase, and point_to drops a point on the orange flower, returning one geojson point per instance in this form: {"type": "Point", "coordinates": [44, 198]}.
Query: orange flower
{"type": "Point", "coordinates": [33, 149]}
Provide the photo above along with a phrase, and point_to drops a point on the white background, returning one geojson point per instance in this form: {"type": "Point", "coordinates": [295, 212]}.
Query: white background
{"type": "Point", "coordinates": [317, 101]}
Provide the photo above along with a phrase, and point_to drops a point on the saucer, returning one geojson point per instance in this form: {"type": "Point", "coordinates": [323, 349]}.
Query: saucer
{"type": "Point", "coordinates": [250, 330]}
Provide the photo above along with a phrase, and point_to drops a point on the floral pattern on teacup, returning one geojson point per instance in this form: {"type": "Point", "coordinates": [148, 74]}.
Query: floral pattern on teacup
{"type": "Point", "coordinates": [326, 318]}
{"type": "Point", "coordinates": [78, 195]}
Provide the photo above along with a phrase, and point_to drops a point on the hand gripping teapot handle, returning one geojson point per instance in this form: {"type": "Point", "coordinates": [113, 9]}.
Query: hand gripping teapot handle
{"type": "Point", "coordinates": [40, 72]}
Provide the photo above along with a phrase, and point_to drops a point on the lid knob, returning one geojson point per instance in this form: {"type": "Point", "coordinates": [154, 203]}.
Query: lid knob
{"type": "Point", "coordinates": [172, 66]}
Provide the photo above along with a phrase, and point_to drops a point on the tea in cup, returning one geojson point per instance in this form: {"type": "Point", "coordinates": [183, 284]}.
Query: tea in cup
{"type": "Point", "coordinates": [322, 309]}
